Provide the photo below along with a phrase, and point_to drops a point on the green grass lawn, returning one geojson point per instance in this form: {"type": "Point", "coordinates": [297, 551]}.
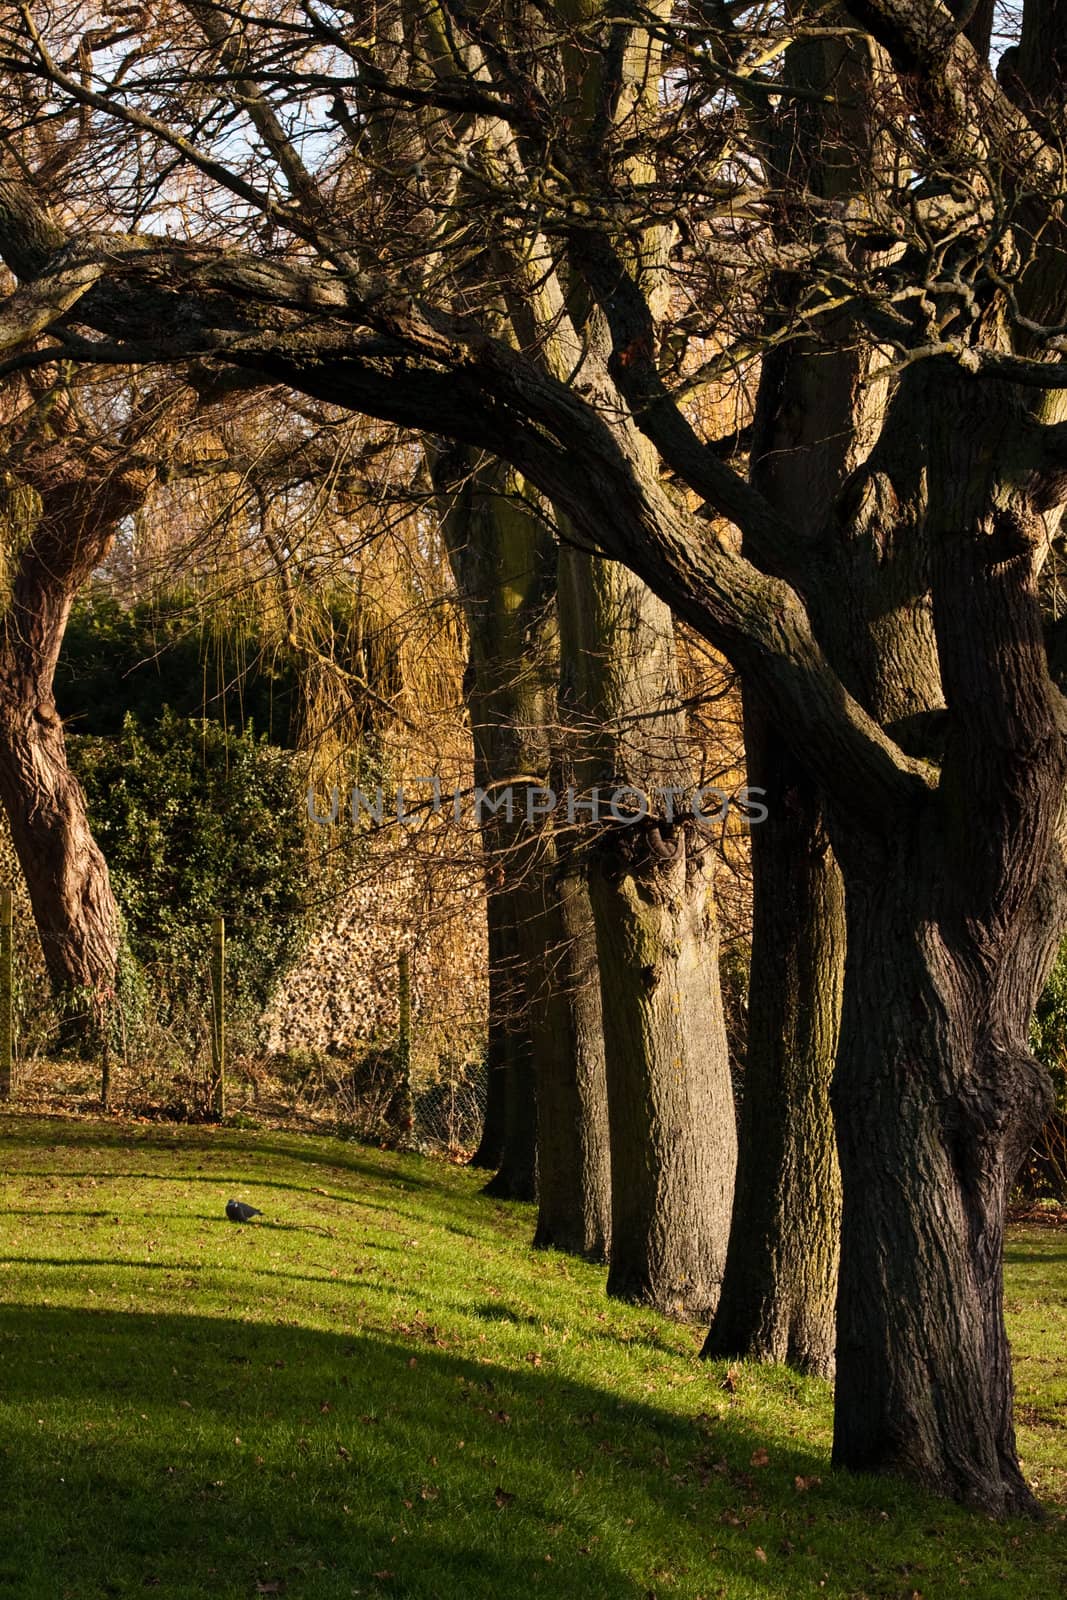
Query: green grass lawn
{"type": "Point", "coordinates": [380, 1390]}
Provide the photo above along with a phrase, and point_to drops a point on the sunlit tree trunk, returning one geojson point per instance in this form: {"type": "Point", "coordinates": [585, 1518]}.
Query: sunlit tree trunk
{"type": "Point", "coordinates": [546, 1031]}
{"type": "Point", "coordinates": [670, 1098]}
{"type": "Point", "coordinates": [59, 518]}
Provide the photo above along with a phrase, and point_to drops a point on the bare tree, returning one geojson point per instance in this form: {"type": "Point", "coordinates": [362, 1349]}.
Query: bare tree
{"type": "Point", "coordinates": [945, 263]}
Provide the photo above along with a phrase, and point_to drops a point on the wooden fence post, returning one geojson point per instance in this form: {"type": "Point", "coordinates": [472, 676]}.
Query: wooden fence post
{"type": "Point", "coordinates": [405, 1107]}
{"type": "Point", "coordinates": [218, 1014]}
{"type": "Point", "coordinates": [104, 1013]}
{"type": "Point", "coordinates": [7, 997]}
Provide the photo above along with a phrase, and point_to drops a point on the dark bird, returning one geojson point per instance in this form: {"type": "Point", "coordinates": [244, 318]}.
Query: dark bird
{"type": "Point", "coordinates": [237, 1211]}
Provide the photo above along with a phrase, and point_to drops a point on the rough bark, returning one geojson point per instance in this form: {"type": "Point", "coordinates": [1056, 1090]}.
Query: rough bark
{"type": "Point", "coordinates": [575, 1208]}
{"type": "Point", "coordinates": [61, 513]}
{"type": "Point", "coordinates": [670, 1101]}
{"type": "Point", "coordinates": [548, 1029]}
{"type": "Point", "coordinates": [490, 1151]}
{"type": "Point", "coordinates": [817, 416]}
{"type": "Point", "coordinates": [960, 949]}
{"type": "Point", "coordinates": [65, 872]}
{"type": "Point", "coordinates": [953, 919]}
{"type": "Point", "coordinates": [564, 1008]}
{"type": "Point", "coordinates": [780, 1284]}
{"type": "Point", "coordinates": [502, 578]}
{"type": "Point", "coordinates": [936, 1101]}
{"type": "Point", "coordinates": [516, 1177]}
{"type": "Point", "coordinates": [670, 1098]}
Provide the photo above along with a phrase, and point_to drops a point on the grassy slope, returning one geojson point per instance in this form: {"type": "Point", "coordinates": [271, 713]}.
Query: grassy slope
{"type": "Point", "coordinates": [380, 1390]}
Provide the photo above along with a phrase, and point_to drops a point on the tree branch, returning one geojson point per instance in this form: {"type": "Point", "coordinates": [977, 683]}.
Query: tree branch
{"type": "Point", "coordinates": [444, 375]}
{"type": "Point", "coordinates": [634, 370]}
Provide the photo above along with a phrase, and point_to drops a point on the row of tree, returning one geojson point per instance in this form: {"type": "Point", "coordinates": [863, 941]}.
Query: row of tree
{"type": "Point", "coordinates": [540, 237]}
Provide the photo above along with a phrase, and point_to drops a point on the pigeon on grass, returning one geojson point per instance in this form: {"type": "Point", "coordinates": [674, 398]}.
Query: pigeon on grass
{"type": "Point", "coordinates": [237, 1211]}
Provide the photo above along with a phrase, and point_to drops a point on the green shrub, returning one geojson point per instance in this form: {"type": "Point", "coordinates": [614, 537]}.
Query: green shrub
{"type": "Point", "coordinates": [1048, 1031]}
{"type": "Point", "coordinates": [194, 821]}
{"type": "Point", "coordinates": [1045, 1169]}
{"type": "Point", "coordinates": [160, 654]}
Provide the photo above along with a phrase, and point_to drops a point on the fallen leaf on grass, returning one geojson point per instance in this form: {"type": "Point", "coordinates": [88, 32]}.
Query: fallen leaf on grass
{"type": "Point", "coordinates": [269, 1585]}
{"type": "Point", "coordinates": [502, 1497]}
{"type": "Point", "coordinates": [802, 1485]}
{"type": "Point", "coordinates": [760, 1458]}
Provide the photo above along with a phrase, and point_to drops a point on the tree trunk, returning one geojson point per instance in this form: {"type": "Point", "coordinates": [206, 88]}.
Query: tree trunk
{"type": "Point", "coordinates": [670, 1101]}
{"type": "Point", "coordinates": [528, 1019]}
{"type": "Point", "coordinates": [65, 873]}
{"type": "Point", "coordinates": [516, 1177]}
{"type": "Point", "coordinates": [61, 534]}
{"type": "Point", "coordinates": [574, 1159]}
{"type": "Point", "coordinates": [670, 1097]}
{"type": "Point", "coordinates": [953, 920]}
{"type": "Point", "coordinates": [490, 1151]}
{"type": "Point", "coordinates": [816, 417]}
{"type": "Point", "coordinates": [546, 1024]}
{"type": "Point", "coordinates": [780, 1282]}
{"type": "Point", "coordinates": [936, 1100]}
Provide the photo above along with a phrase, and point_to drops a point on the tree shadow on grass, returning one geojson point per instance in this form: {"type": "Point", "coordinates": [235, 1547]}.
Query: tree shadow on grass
{"type": "Point", "coordinates": [41, 1132]}
{"type": "Point", "coordinates": [217, 1180]}
{"type": "Point", "coordinates": [202, 1457]}
{"type": "Point", "coordinates": [27, 1212]}
{"type": "Point", "coordinates": [200, 1270]}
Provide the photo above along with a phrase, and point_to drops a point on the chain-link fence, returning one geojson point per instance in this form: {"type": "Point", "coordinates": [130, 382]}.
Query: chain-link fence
{"type": "Point", "coordinates": [448, 1114]}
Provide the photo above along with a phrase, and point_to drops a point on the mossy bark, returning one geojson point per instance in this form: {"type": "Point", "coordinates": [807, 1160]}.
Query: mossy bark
{"type": "Point", "coordinates": [546, 1047]}
{"type": "Point", "coordinates": [573, 1149]}
{"type": "Point", "coordinates": [670, 1099]}
{"type": "Point", "coordinates": [490, 1151]}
